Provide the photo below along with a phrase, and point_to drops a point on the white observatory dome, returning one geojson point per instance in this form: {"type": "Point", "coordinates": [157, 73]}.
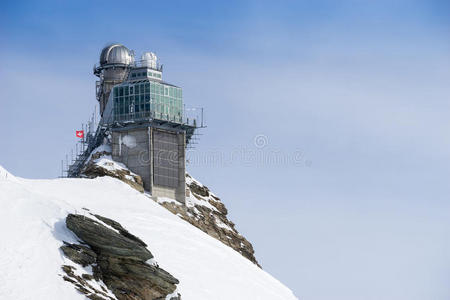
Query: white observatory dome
{"type": "Point", "coordinates": [149, 59]}
{"type": "Point", "coordinates": [116, 54]}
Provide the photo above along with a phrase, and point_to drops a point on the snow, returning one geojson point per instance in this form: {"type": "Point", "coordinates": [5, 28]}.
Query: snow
{"type": "Point", "coordinates": [80, 270]}
{"type": "Point", "coordinates": [191, 201]}
{"type": "Point", "coordinates": [5, 175]}
{"type": "Point", "coordinates": [102, 148]}
{"type": "Point", "coordinates": [105, 161]}
{"type": "Point", "coordinates": [129, 141]}
{"type": "Point", "coordinates": [162, 200]}
{"type": "Point", "coordinates": [109, 164]}
{"type": "Point", "coordinates": [222, 224]}
{"type": "Point", "coordinates": [32, 218]}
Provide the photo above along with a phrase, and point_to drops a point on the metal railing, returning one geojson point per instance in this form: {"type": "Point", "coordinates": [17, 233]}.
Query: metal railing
{"type": "Point", "coordinates": [188, 116]}
{"type": "Point", "coordinates": [147, 64]}
{"type": "Point", "coordinates": [148, 115]}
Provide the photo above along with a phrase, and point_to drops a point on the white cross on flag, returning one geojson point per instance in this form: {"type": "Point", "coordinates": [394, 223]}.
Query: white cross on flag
{"type": "Point", "coordinates": [79, 133]}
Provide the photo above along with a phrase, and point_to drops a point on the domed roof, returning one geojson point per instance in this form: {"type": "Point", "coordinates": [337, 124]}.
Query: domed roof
{"type": "Point", "coordinates": [116, 54]}
{"type": "Point", "coordinates": [149, 59]}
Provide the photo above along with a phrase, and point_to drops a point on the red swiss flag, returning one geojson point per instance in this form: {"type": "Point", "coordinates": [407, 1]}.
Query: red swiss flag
{"type": "Point", "coordinates": [79, 133]}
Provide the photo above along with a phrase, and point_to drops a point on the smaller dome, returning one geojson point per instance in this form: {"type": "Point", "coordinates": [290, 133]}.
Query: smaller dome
{"type": "Point", "coordinates": [116, 54]}
{"type": "Point", "coordinates": [149, 59]}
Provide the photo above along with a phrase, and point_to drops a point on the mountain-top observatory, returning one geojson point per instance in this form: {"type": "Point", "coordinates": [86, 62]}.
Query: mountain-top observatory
{"type": "Point", "coordinates": [145, 119]}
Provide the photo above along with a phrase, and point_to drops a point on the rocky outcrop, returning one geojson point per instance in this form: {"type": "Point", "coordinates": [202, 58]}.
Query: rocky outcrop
{"type": "Point", "coordinates": [101, 164]}
{"type": "Point", "coordinates": [205, 211]}
{"type": "Point", "coordinates": [118, 259]}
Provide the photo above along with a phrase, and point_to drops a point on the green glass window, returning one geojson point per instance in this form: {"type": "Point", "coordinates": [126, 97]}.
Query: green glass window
{"type": "Point", "coordinates": [127, 106]}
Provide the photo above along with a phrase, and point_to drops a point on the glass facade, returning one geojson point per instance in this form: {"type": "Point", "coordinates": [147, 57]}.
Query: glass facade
{"type": "Point", "coordinates": [138, 75]}
{"type": "Point", "coordinates": [147, 99]}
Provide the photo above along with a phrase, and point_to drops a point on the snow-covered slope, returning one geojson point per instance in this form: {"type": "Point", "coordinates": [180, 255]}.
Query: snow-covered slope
{"type": "Point", "coordinates": [32, 228]}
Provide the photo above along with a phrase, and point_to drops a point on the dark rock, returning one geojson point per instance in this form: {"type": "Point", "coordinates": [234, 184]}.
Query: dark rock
{"type": "Point", "coordinates": [202, 191]}
{"type": "Point", "coordinates": [207, 220]}
{"type": "Point", "coordinates": [136, 278]}
{"type": "Point", "coordinates": [122, 231]}
{"type": "Point", "coordinates": [118, 258]}
{"type": "Point", "coordinates": [79, 254]}
{"type": "Point", "coordinates": [81, 283]}
{"type": "Point", "coordinates": [92, 170]}
{"type": "Point", "coordinates": [87, 276]}
{"type": "Point", "coordinates": [105, 240]}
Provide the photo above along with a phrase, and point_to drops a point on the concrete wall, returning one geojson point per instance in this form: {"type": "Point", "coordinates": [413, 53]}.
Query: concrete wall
{"type": "Point", "coordinates": [134, 148]}
{"type": "Point", "coordinates": [131, 148]}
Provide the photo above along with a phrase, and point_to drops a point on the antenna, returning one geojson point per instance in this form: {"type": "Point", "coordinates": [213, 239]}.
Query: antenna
{"type": "Point", "coordinates": [202, 116]}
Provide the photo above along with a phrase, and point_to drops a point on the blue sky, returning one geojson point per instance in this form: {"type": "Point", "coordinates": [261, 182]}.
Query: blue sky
{"type": "Point", "coordinates": [352, 98]}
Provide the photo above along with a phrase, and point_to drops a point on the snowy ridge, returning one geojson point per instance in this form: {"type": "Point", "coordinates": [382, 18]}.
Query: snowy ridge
{"type": "Point", "coordinates": [101, 156]}
{"type": "Point", "coordinates": [5, 175]}
{"type": "Point", "coordinates": [34, 211]}
{"type": "Point", "coordinates": [205, 210]}
{"type": "Point", "coordinates": [192, 200]}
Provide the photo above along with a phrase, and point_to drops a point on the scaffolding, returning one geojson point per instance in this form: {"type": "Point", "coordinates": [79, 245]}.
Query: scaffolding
{"type": "Point", "coordinates": [95, 134]}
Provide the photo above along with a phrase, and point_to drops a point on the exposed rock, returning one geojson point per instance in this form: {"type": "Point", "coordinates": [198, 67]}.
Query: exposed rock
{"type": "Point", "coordinates": [209, 214]}
{"type": "Point", "coordinates": [108, 167]}
{"type": "Point", "coordinates": [118, 258]}
{"type": "Point", "coordinates": [122, 231]}
{"type": "Point", "coordinates": [135, 280]}
{"type": "Point", "coordinates": [83, 285]}
{"type": "Point", "coordinates": [79, 254]}
{"type": "Point", "coordinates": [206, 212]}
{"type": "Point", "coordinates": [104, 240]}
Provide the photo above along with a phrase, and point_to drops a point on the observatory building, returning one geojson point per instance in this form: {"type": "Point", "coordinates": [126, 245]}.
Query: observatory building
{"type": "Point", "coordinates": [145, 120]}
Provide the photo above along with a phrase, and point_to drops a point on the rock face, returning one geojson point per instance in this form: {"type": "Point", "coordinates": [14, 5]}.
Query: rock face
{"type": "Point", "coordinates": [117, 258]}
{"type": "Point", "coordinates": [205, 211]}
{"type": "Point", "coordinates": [101, 164]}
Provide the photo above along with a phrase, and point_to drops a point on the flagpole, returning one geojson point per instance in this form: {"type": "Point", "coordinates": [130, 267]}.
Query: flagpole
{"type": "Point", "coordinates": [82, 140]}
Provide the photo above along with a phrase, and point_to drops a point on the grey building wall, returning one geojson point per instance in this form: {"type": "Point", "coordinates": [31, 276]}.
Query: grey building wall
{"type": "Point", "coordinates": [136, 149]}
